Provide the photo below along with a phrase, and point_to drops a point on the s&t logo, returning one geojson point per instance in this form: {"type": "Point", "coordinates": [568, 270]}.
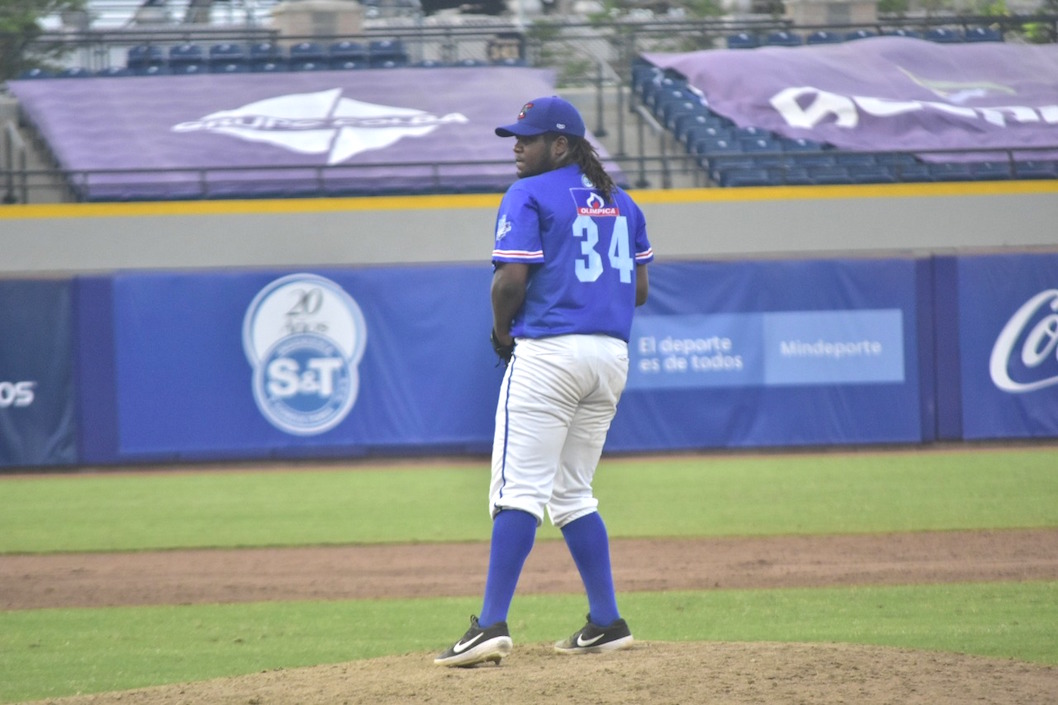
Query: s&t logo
{"type": "Point", "coordinates": [304, 337]}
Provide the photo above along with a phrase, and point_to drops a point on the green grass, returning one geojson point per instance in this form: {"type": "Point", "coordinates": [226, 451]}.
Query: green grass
{"type": "Point", "coordinates": [695, 496]}
{"type": "Point", "coordinates": [50, 653]}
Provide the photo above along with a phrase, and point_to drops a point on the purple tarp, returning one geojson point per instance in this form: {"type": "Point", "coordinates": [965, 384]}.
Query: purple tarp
{"type": "Point", "coordinates": [284, 134]}
{"type": "Point", "coordinates": [885, 93]}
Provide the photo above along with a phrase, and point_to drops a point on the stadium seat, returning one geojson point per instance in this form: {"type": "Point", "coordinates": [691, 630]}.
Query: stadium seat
{"type": "Point", "coordinates": [950, 171]}
{"type": "Point", "coordinates": [849, 159]}
{"type": "Point", "coordinates": [187, 58]}
{"type": "Point", "coordinates": [991, 171]}
{"type": "Point", "coordinates": [783, 39]}
{"type": "Point", "coordinates": [705, 135]}
{"type": "Point", "coordinates": [983, 34]}
{"type": "Point", "coordinates": [859, 34]}
{"type": "Point", "coordinates": [799, 145]}
{"type": "Point", "coordinates": [470, 63]}
{"type": "Point", "coordinates": [510, 61]}
{"type": "Point", "coordinates": [759, 144]}
{"type": "Point", "coordinates": [871, 174]}
{"type": "Point", "coordinates": [811, 159]}
{"type": "Point", "coordinates": [143, 56]}
{"type": "Point", "coordinates": [909, 33]}
{"type": "Point", "coordinates": [822, 36]}
{"type": "Point", "coordinates": [114, 71]}
{"type": "Point", "coordinates": [265, 54]}
{"type": "Point", "coordinates": [36, 73]}
{"type": "Point", "coordinates": [387, 53]}
{"type": "Point", "coordinates": [307, 56]}
{"type": "Point", "coordinates": [429, 63]}
{"type": "Point", "coordinates": [1036, 169]}
{"type": "Point", "coordinates": [742, 40]}
{"type": "Point", "coordinates": [698, 126]}
{"type": "Point", "coordinates": [746, 177]}
{"type": "Point", "coordinates": [74, 72]}
{"type": "Point", "coordinates": [826, 175]}
{"type": "Point", "coordinates": [345, 55]}
{"type": "Point", "coordinates": [944, 35]}
{"type": "Point", "coordinates": [152, 70]}
{"type": "Point", "coordinates": [914, 172]}
{"type": "Point", "coordinates": [227, 58]}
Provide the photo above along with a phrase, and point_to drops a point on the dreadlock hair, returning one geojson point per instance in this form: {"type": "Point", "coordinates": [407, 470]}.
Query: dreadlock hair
{"type": "Point", "coordinates": [583, 153]}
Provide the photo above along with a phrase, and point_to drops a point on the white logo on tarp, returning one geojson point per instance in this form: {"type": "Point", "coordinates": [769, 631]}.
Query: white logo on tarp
{"type": "Point", "coordinates": [807, 106]}
{"type": "Point", "coordinates": [321, 123]}
{"type": "Point", "coordinates": [16, 394]}
{"type": "Point", "coordinates": [304, 337]}
{"type": "Point", "coordinates": [1038, 332]}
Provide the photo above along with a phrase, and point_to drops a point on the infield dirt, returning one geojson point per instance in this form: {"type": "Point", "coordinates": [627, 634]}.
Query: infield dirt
{"type": "Point", "coordinates": [653, 673]}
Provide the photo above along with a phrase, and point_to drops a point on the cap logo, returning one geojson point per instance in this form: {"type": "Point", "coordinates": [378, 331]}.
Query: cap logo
{"type": "Point", "coordinates": [525, 108]}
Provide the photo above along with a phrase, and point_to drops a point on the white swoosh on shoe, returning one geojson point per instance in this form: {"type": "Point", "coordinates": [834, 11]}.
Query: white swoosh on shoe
{"type": "Point", "coordinates": [582, 642]}
{"type": "Point", "coordinates": [462, 646]}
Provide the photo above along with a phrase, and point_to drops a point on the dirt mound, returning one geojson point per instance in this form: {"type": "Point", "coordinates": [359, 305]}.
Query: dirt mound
{"type": "Point", "coordinates": [648, 674]}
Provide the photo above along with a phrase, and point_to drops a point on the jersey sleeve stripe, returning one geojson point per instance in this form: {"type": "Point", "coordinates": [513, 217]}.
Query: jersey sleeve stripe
{"type": "Point", "coordinates": [517, 254]}
{"type": "Point", "coordinates": [645, 256]}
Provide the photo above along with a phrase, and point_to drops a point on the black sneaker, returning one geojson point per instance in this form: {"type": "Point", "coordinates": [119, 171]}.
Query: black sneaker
{"type": "Point", "coordinates": [593, 639]}
{"type": "Point", "coordinates": [478, 646]}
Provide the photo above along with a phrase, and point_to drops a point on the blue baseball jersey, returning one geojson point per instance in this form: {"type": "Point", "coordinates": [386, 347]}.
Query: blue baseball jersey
{"type": "Point", "coordinates": [582, 253]}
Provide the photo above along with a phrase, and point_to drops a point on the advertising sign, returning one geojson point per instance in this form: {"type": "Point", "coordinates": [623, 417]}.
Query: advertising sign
{"type": "Point", "coordinates": [1008, 337]}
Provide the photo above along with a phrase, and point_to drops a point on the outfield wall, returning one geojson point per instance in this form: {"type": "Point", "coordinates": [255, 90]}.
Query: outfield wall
{"type": "Point", "coordinates": [138, 333]}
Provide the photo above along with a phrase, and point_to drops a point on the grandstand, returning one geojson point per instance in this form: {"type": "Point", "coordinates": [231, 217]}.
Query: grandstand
{"type": "Point", "coordinates": [657, 126]}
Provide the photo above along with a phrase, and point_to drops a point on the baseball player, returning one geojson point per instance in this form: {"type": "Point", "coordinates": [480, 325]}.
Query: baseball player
{"type": "Point", "coordinates": [569, 269]}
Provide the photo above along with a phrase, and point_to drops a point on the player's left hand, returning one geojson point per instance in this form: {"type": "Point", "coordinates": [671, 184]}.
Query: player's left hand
{"type": "Point", "coordinates": [504, 352]}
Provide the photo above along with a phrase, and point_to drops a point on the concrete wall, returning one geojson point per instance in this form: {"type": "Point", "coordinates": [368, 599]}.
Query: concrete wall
{"type": "Point", "coordinates": [67, 239]}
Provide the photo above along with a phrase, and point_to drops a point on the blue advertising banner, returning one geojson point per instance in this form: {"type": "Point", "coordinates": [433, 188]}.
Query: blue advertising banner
{"type": "Point", "coordinates": [304, 364]}
{"type": "Point", "coordinates": [774, 353]}
{"type": "Point", "coordinates": [37, 424]}
{"type": "Point", "coordinates": [1008, 338]}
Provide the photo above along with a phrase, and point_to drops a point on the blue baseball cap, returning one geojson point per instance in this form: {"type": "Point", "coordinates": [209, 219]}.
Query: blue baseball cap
{"type": "Point", "coordinates": [542, 115]}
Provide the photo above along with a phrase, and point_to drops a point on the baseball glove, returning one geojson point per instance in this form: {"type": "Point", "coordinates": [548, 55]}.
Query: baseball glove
{"type": "Point", "coordinates": [504, 352]}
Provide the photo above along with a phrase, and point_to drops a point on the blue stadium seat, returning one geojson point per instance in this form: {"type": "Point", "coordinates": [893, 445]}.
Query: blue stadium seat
{"type": "Point", "coordinates": [188, 69]}
{"type": "Point", "coordinates": [470, 63]}
{"type": "Point", "coordinates": [826, 175]}
{"type": "Point", "coordinates": [307, 52]}
{"type": "Point", "coordinates": [871, 174]}
{"type": "Point", "coordinates": [698, 126]}
{"type": "Point", "coordinates": [812, 159]}
{"type": "Point", "coordinates": [759, 144]}
{"type": "Point", "coordinates": [914, 172]}
{"type": "Point", "coordinates": [114, 71]}
{"type": "Point", "coordinates": [783, 38]}
{"type": "Point", "coordinates": [950, 171]}
{"type": "Point", "coordinates": [309, 66]}
{"type": "Point", "coordinates": [983, 34]}
{"type": "Point", "coordinates": [510, 61]}
{"type": "Point", "coordinates": [429, 63]}
{"type": "Point", "coordinates": [152, 70]}
{"type": "Point", "coordinates": [707, 135]}
{"type": "Point", "coordinates": [799, 144]}
{"type": "Point", "coordinates": [991, 171]}
{"type": "Point", "coordinates": [345, 55]}
{"type": "Point", "coordinates": [1035, 169]}
{"type": "Point", "coordinates": [854, 159]}
{"type": "Point", "coordinates": [901, 32]}
{"type": "Point", "coordinates": [822, 36]}
{"type": "Point", "coordinates": [74, 72]}
{"type": "Point", "coordinates": [944, 35]}
{"type": "Point", "coordinates": [36, 73]}
{"type": "Point", "coordinates": [265, 53]}
{"type": "Point", "coordinates": [144, 55]}
{"type": "Point", "coordinates": [187, 58]}
{"type": "Point", "coordinates": [387, 53]}
{"type": "Point", "coordinates": [742, 40]}
{"type": "Point", "coordinates": [746, 177]}
{"type": "Point", "coordinates": [859, 34]}
{"type": "Point", "coordinates": [227, 58]}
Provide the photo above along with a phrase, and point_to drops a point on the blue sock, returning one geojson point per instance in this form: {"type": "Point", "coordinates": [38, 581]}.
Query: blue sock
{"type": "Point", "coordinates": [590, 547]}
{"type": "Point", "coordinates": [513, 534]}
